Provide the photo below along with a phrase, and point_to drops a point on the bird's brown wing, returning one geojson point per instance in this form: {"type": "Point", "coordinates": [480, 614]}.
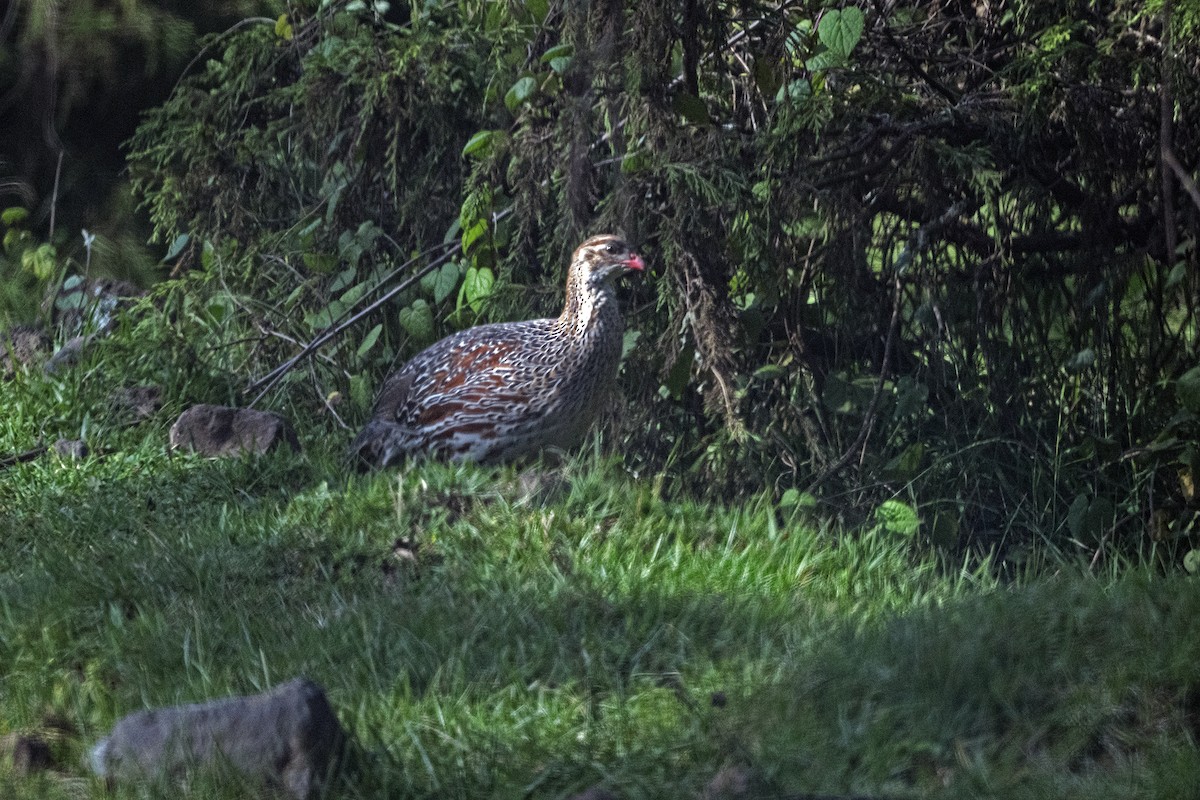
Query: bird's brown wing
{"type": "Point", "coordinates": [455, 375]}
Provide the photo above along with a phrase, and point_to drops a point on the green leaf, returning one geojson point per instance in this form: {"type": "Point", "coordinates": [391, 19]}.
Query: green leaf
{"type": "Point", "coordinates": [898, 517]}
{"type": "Point", "coordinates": [14, 215]}
{"type": "Point", "coordinates": [283, 28]}
{"type": "Point", "coordinates": [1187, 389]}
{"type": "Point", "coordinates": [635, 161]}
{"type": "Point", "coordinates": [825, 59]}
{"type": "Point", "coordinates": [558, 51]}
{"type": "Point", "coordinates": [907, 465]}
{"type": "Point", "coordinates": [794, 498]}
{"type": "Point", "coordinates": [1191, 562]}
{"type": "Point", "coordinates": [768, 372]}
{"type": "Point", "coordinates": [473, 233]}
{"type": "Point", "coordinates": [691, 108]}
{"type": "Point", "coordinates": [1178, 273]}
{"type": "Point", "coordinates": [444, 281]}
{"type": "Point", "coordinates": [841, 30]}
{"type": "Point", "coordinates": [521, 91]}
{"type": "Point", "coordinates": [417, 320]}
{"type": "Point", "coordinates": [480, 144]}
{"type": "Point", "coordinates": [40, 261]}
{"type": "Point", "coordinates": [477, 286]}
{"type": "Point", "coordinates": [629, 341]}
{"type": "Point", "coordinates": [177, 246]}
{"type": "Point", "coordinates": [343, 279]}
{"type": "Point", "coordinates": [369, 340]}
{"type": "Point", "coordinates": [559, 57]}
{"type": "Point", "coordinates": [319, 262]}
{"type": "Point", "coordinates": [537, 10]}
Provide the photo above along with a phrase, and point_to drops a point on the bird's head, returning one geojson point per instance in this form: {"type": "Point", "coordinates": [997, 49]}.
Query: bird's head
{"type": "Point", "coordinates": [603, 258]}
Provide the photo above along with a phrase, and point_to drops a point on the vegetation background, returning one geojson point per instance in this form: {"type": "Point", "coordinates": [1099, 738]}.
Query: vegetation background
{"type": "Point", "coordinates": [923, 271]}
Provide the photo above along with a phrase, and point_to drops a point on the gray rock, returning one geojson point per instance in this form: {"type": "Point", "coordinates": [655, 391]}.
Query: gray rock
{"type": "Point", "coordinates": [287, 737]}
{"type": "Point", "coordinates": [68, 355]}
{"type": "Point", "coordinates": [29, 754]}
{"type": "Point", "coordinates": [223, 431]}
{"type": "Point", "coordinates": [75, 449]}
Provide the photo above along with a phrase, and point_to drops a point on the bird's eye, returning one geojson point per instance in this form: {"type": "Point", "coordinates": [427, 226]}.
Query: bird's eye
{"type": "Point", "coordinates": [612, 248]}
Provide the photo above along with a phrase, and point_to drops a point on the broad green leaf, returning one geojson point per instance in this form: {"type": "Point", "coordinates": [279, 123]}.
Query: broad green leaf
{"type": "Point", "coordinates": [521, 91]}
{"type": "Point", "coordinates": [40, 261]}
{"type": "Point", "coordinates": [841, 30]}
{"type": "Point", "coordinates": [369, 340]}
{"type": "Point", "coordinates": [826, 59]}
{"type": "Point", "coordinates": [691, 108]}
{"type": "Point", "coordinates": [343, 279]}
{"type": "Point", "coordinates": [441, 282]}
{"type": "Point", "coordinates": [559, 57]}
{"type": "Point", "coordinates": [353, 294]}
{"type": "Point", "coordinates": [1191, 562]}
{"type": "Point", "coordinates": [898, 517]}
{"type": "Point", "coordinates": [177, 246]}
{"type": "Point", "coordinates": [480, 144]}
{"type": "Point", "coordinates": [1178, 273]}
{"type": "Point", "coordinates": [14, 215]}
{"type": "Point", "coordinates": [1187, 389]}
{"type": "Point", "coordinates": [538, 9]}
{"type": "Point", "coordinates": [907, 465]}
{"type": "Point", "coordinates": [794, 498]}
{"type": "Point", "coordinates": [558, 51]}
{"type": "Point", "coordinates": [473, 233]}
{"type": "Point", "coordinates": [477, 286]}
{"type": "Point", "coordinates": [629, 341]}
{"type": "Point", "coordinates": [283, 28]}
{"type": "Point", "coordinates": [417, 320]}
{"type": "Point", "coordinates": [319, 262]}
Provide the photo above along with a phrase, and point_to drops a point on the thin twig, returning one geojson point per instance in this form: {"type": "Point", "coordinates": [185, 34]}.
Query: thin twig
{"type": "Point", "coordinates": [1189, 185]}
{"type": "Point", "coordinates": [54, 195]}
{"type": "Point", "coordinates": [1166, 132]}
{"type": "Point", "coordinates": [21, 458]}
{"type": "Point", "coordinates": [268, 381]}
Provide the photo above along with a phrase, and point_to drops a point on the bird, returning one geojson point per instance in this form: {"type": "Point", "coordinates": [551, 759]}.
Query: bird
{"type": "Point", "coordinates": [501, 392]}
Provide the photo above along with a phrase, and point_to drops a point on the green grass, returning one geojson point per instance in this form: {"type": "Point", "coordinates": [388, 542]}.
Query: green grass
{"type": "Point", "coordinates": [582, 631]}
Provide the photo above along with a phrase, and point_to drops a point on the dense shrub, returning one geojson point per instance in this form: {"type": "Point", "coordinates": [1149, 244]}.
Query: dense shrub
{"type": "Point", "coordinates": [902, 250]}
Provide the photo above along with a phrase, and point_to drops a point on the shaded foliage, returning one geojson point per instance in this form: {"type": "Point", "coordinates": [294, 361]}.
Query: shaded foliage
{"type": "Point", "coordinates": [933, 253]}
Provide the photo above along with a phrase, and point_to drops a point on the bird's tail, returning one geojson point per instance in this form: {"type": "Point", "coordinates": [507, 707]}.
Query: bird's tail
{"type": "Point", "coordinates": [381, 443]}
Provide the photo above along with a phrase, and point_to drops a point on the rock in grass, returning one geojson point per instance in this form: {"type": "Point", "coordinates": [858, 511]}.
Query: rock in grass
{"type": "Point", "coordinates": [28, 754]}
{"type": "Point", "coordinates": [287, 737]}
{"type": "Point", "coordinates": [223, 431]}
{"type": "Point", "coordinates": [74, 449]}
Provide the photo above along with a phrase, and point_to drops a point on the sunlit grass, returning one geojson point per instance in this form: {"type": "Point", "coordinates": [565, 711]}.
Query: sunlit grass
{"type": "Point", "coordinates": [567, 627]}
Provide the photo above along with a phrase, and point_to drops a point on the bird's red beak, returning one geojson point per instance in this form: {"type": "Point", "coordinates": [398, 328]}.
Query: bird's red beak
{"type": "Point", "coordinates": [634, 262]}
